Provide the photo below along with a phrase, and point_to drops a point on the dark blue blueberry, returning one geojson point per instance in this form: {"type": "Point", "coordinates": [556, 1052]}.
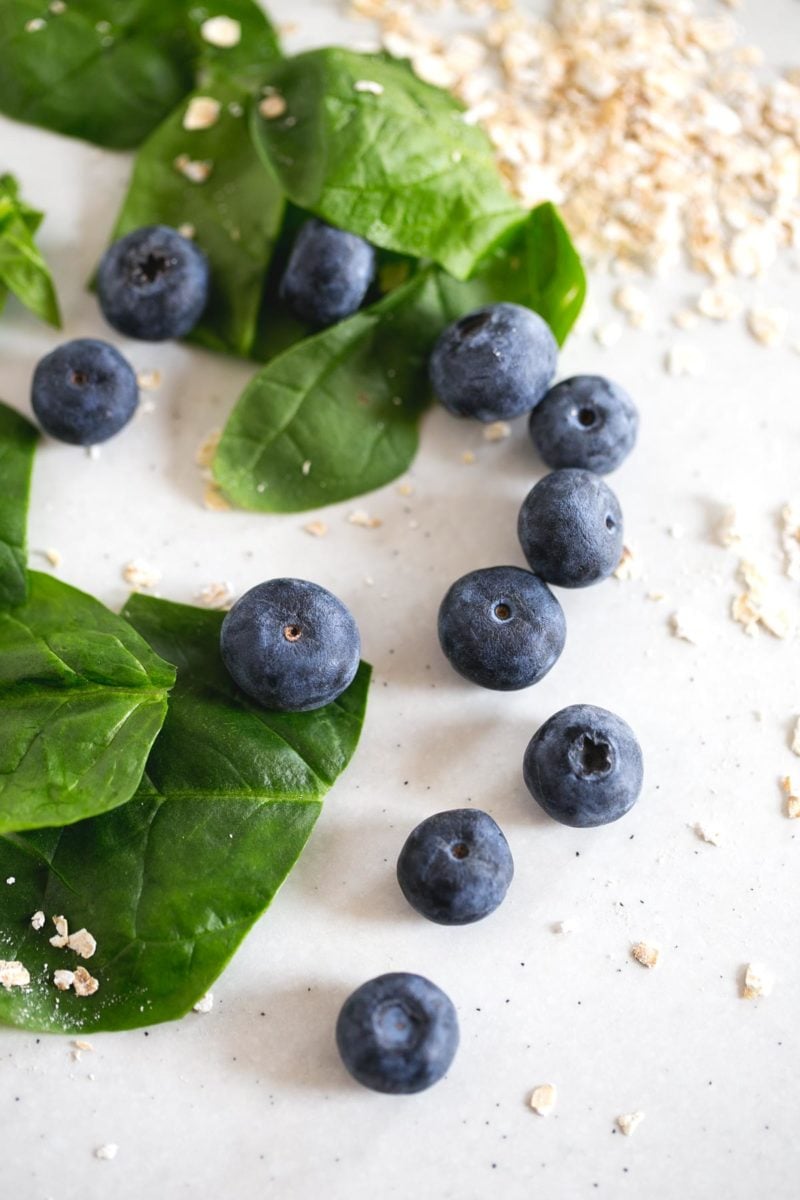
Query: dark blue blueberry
{"type": "Point", "coordinates": [328, 273]}
{"type": "Point", "coordinates": [494, 364]}
{"type": "Point", "coordinates": [84, 392]}
{"type": "Point", "coordinates": [570, 528]}
{"type": "Point", "coordinates": [455, 867]}
{"type": "Point", "coordinates": [397, 1033]}
{"type": "Point", "coordinates": [584, 766]}
{"type": "Point", "coordinates": [586, 421]}
{"type": "Point", "coordinates": [290, 645]}
{"type": "Point", "coordinates": [153, 284]}
{"type": "Point", "coordinates": [501, 627]}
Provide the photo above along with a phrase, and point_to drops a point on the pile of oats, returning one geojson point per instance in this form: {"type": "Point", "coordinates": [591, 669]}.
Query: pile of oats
{"type": "Point", "coordinates": [609, 109]}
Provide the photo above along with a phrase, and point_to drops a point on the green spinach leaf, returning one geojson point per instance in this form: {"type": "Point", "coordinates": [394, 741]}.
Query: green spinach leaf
{"type": "Point", "coordinates": [367, 146]}
{"type": "Point", "coordinates": [236, 212]}
{"type": "Point", "coordinates": [170, 884]}
{"type": "Point", "coordinates": [82, 698]}
{"type": "Point", "coordinates": [109, 71]}
{"type": "Point", "coordinates": [23, 271]}
{"type": "Point", "coordinates": [336, 414]}
{"type": "Point", "coordinates": [17, 444]}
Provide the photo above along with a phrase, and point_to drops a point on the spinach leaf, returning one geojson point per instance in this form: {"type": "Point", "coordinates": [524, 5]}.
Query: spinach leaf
{"type": "Point", "coordinates": [170, 884]}
{"type": "Point", "coordinates": [23, 271]}
{"type": "Point", "coordinates": [346, 402]}
{"type": "Point", "coordinates": [17, 444]}
{"type": "Point", "coordinates": [82, 698]}
{"type": "Point", "coordinates": [110, 70]}
{"type": "Point", "coordinates": [236, 212]}
{"type": "Point", "coordinates": [399, 167]}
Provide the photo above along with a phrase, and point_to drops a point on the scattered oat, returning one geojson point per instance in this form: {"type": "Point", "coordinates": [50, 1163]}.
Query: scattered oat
{"type": "Point", "coordinates": [645, 954]}
{"type": "Point", "coordinates": [795, 744]}
{"type": "Point", "coordinates": [729, 532]}
{"type": "Point", "coordinates": [11, 880]}
{"type": "Point", "coordinates": [608, 335]}
{"type": "Point", "coordinates": [317, 529]}
{"type": "Point", "coordinates": [305, 469]}
{"type": "Point", "coordinates": [758, 605]}
{"type": "Point", "coordinates": [684, 626]}
{"type": "Point", "coordinates": [186, 230]}
{"type": "Point", "coordinates": [684, 359]}
{"type": "Point", "coordinates": [201, 113]}
{"type": "Point", "coordinates": [109, 1151]}
{"type": "Point", "coordinates": [213, 498]}
{"type": "Point", "coordinates": [36, 25]}
{"type": "Point", "coordinates": [758, 981]}
{"type": "Point", "coordinates": [13, 974]}
{"type": "Point", "coordinates": [216, 595]}
{"type": "Point", "coordinates": [79, 1044]}
{"type": "Point", "coordinates": [208, 448]}
{"type": "Point", "coordinates": [790, 540]}
{"type": "Point", "coordinates": [629, 1122]}
{"type": "Point", "coordinates": [468, 458]}
{"type": "Point", "coordinates": [405, 488]}
{"type": "Point", "coordinates": [656, 597]}
{"type": "Point", "coordinates": [272, 106]}
{"type": "Point", "coordinates": [543, 1099]}
{"type": "Point", "coordinates": [57, 7]}
{"type": "Point", "coordinates": [196, 170]}
{"type": "Point", "coordinates": [708, 834]}
{"type": "Point", "coordinates": [82, 943]}
{"type": "Point", "coordinates": [676, 531]}
{"type": "Point", "coordinates": [84, 984]}
{"type": "Point", "coordinates": [93, 452]}
{"type": "Point", "coordinates": [363, 519]}
{"type": "Point", "coordinates": [685, 319]}
{"type": "Point", "coordinates": [63, 980]}
{"type": "Point", "coordinates": [38, 920]}
{"type": "Point", "coordinates": [628, 567]}
{"type": "Point", "coordinates": [768, 325]}
{"type": "Point", "coordinates": [223, 32]}
{"type": "Point", "coordinates": [61, 935]}
{"type": "Point", "coordinates": [369, 86]}
{"type": "Point", "coordinates": [497, 431]}
{"type": "Point", "coordinates": [633, 302]}
{"type": "Point", "coordinates": [719, 303]}
{"type": "Point", "coordinates": [204, 1004]}
{"type": "Point", "coordinates": [792, 800]}
{"type": "Point", "coordinates": [140, 575]}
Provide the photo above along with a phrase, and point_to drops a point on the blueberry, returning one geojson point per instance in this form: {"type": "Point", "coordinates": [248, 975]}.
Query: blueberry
{"type": "Point", "coordinates": [570, 528]}
{"type": "Point", "coordinates": [153, 284]}
{"type": "Point", "coordinates": [584, 766]}
{"type": "Point", "coordinates": [84, 392]}
{"type": "Point", "coordinates": [586, 421]}
{"type": "Point", "coordinates": [455, 867]}
{"type": "Point", "coordinates": [501, 627]}
{"type": "Point", "coordinates": [290, 645]}
{"type": "Point", "coordinates": [493, 364]}
{"type": "Point", "coordinates": [397, 1033]}
{"type": "Point", "coordinates": [328, 273]}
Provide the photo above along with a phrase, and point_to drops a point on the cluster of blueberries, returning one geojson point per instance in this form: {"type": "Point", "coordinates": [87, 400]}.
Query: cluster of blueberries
{"type": "Point", "coordinates": [153, 284]}
{"type": "Point", "coordinates": [290, 645]}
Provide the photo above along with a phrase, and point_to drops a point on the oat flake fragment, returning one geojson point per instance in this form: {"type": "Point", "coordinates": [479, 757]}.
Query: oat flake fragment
{"type": "Point", "coordinates": [216, 595]}
{"type": "Point", "coordinates": [768, 325]}
{"type": "Point", "coordinates": [567, 926]}
{"type": "Point", "coordinates": [708, 834]}
{"type": "Point", "coordinates": [790, 540]}
{"type": "Point", "coordinates": [204, 1004]}
{"type": "Point", "coordinates": [110, 1150]}
{"type": "Point", "coordinates": [272, 106]}
{"type": "Point", "coordinates": [684, 626]}
{"type": "Point", "coordinates": [208, 448]}
{"type": "Point", "coordinates": [729, 532]}
{"type": "Point", "coordinates": [82, 943]}
{"type": "Point", "coordinates": [223, 32]}
{"type": "Point", "coordinates": [364, 520]}
{"type": "Point", "coordinates": [543, 1099]}
{"type": "Point", "coordinates": [645, 954]}
{"type": "Point", "coordinates": [719, 303]}
{"type": "Point", "coordinates": [684, 360]}
{"type": "Point", "coordinates": [468, 458]}
{"type": "Point", "coordinates": [84, 984]}
{"type": "Point", "coordinates": [194, 169]}
{"type": "Point", "coordinates": [140, 575]}
{"type": "Point", "coordinates": [628, 567]}
{"type": "Point", "coordinates": [63, 980]}
{"type": "Point", "coordinates": [62, 932]}
{"type": "Point", "coordinates": [306, 467]}
{"type": "Point", "coordinates": [13, 974]}
{"type": "Point", "coordinates": [38, 920]}
{"type": "Point", "coordinates": [35, 25]}
{"type": "Point", "coordinates": [758, 981]}
{"type": "Point", "coordinates": [317, 529]}
{"type": "Point", "coordinates": [792, 800]}
{"type": "Point", "coordinates": [368, 85]}
{"type": "Point", "coordinates": [201, 113]}
{"type": "Point", "coordinates": [608, 335]}
{"type": "Point", "coordinates": [214, 500]}
{"type": "Point", "coordinates": [629, 1122]}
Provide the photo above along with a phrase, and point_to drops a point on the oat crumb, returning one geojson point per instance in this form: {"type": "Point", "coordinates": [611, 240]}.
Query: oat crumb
{"type": "Point", "coordinates": [79, 1044]}
{"type": "Point", "coordinates": [109, 1151]}
{"type": "Point", "coordinates": [729, 532]}
{"type": "Point", "coordinates": [628, 567]}
{"type": "Point", "coordinates": [405, 489]}
{"type": "Point", "coordinates": [84, 984]}
{"type": "Point", "coordinates": [196, 170]}
{"type": "Point", "coordinates": [369, 86]}
{"type": "Point", "coordinates": [140, 575]}
{"type": "Point", "coordinates": [685, 319]}
{"type": "Point", "coordinates": [204, 456]}
{"type": "Point", "coordinates": [82, 943]}
{"type": "Point", "coordinates": [63, 980]}
{"type": "Point", "coordinates": [543, 1099]}
{"type": "Point", "coordinates": [708, 834]}
{"type": "Point", "coordinates": [684, 360]}
{"type": "Point", "coordinates": [223, 32]}
{"type": "Point", "coordinates": [629, 1122]}
{"type": "Point", "coordinates": [758, 981]}
{"type": "Point", "coordinates": [273, 106]}
{"type": "Point", "coordinates": [497, 431]}
{"type": "Point", "coordinates": [608, 335]}
{"type": "Point", "coordinates": [13, 974]}
{"type": "Point", "coordinates": [213, 498]}
{"type": "Point", "coordinates": [186, 230]}
{"type": "Point", "coordinates": [768, 325]}
{"type": "Point", "coordinates": [792, 800]}
{"type": "Point", "coordinates": [305, 469]}
{"type": "Point", "coordinates": [204, 1004]}
{"type": "Point", "coordinates": [468, 458]}
{"type": "Point", "coordinates": [201, 113]}
{"type": "Point", "coordinates": [216, 595]}
{"type": "Point", "coordinates": [35, 25]}
{"type": "Point", "coordinates": [645, 954]}
{"type": "Point", "coordinates": [684, 626]}
{"type": "Point", "coordinates": [59, 939]}
{"type": "Point", "coordinates": [38, 920]}
{"type": "Point", "coordinates": [364, 520]}
{"type": "Point", "coordinates": [317, 529]}
{"type": "Point", "coordinates": [790, 540]}
{"type": "Point", "coordinates": [719, 303]}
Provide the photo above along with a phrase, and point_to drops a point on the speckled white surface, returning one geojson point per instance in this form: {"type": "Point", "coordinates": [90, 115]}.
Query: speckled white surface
{"type": "Point", "coordinates": [250, 1098]}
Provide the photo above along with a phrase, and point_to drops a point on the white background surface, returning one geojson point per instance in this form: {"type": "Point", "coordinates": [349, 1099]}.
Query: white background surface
{"type": "Point", "coordinates": [251, 1099]}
